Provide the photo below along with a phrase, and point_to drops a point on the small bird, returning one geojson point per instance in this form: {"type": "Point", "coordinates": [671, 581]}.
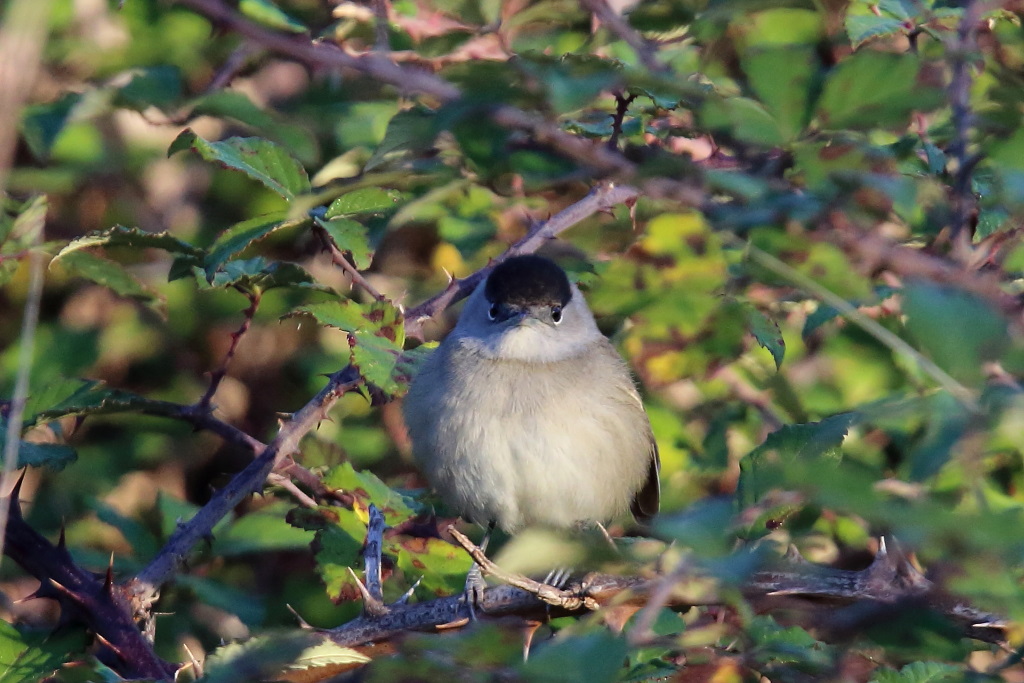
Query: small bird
{"type": "Point", "coordinates": [526, 415]}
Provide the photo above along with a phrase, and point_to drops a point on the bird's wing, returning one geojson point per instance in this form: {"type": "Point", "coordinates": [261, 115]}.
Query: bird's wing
{"type": "Point", "coordinates": [648, 499]}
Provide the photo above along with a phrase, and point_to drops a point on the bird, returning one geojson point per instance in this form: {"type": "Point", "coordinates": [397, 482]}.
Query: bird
{"type": "Point", "coordinates": [526, 415]}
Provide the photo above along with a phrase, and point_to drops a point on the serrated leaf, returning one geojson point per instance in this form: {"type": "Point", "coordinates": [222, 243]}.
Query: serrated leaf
{"type": "Point", "coordinates": [260, 159]}
{"type": "Point", "coordinates": [88, 398]}
{"type": "Point", "coordinates": [440, 566]}
{"type": "Point", "coordinates": [237, 106]}
{"type": "Point", "coordinates": [329, 654]}
{"type": "Point", "coordinates": [120, 236]}
{"type": "Point", "coordinates": [920, 672]}
{"type": "Point", "coordinates": [376, 336]}
{"type": "Point", "coordinates": [240, 235]}
{"type": "Point", "coordinates": [260, 658]}
{"type": "Point", "coordinates": [29, 657]}
{"type": "Point", "coordinates": [270, 15]}
{"type": "Point", "coordinates": [349, 236]}
{"type": "Point", "coordinates": [762, 469]}
{"type": "Point", "coordinates": [367, 200]}
{"type": "Point", "coordinates": [339, 543]}
{"type": "Point", "coordinates": [864, 27]}
{"type": "Point", "coordinates": [766, 332]}
{"type": "Point", "coordinates": [259, 274]}
{"type": "Point", "coordinates": [262, 531]}
{"type": "Point", "coordinates": [107, 273]}
{"type": "Point", "coordinates": [367, 488]}
{"type": "Point", "coordinates": [54, 456]}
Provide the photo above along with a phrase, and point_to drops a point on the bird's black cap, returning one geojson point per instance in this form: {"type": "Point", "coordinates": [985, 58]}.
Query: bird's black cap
{"type": "Point", "coordinates": [528, 281]}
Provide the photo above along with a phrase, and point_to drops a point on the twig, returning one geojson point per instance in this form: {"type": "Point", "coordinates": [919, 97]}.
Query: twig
{"type": "Point", "coordinates": [601, 198]}
{"type": "Point", "coordinates": [146, 584]}
{"type": "Point", "coordinates": [288, 485]}
{"type": "Point", "coordinates": [26, 346]}
{"type": "Point", "coordinates": [643, 48]}
{"type": "Point", "coordinates": [222, 370]}
{"type": "Point", "coordinates": [338, 258]}
{"type": "Point", "coordinates": [231, 66]}
{"type": "Point", "coordinates": [622, 103]}
{"type": "Point", "coordinates": [380, 26]}
{"type": "Point", "coordinates": [961, 50]}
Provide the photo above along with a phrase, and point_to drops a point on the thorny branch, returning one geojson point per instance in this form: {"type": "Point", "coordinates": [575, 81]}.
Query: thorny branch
{"type": "Point", "coordinates": [222, 370]}
{"type": "Point", "coordinates": [890, 581]}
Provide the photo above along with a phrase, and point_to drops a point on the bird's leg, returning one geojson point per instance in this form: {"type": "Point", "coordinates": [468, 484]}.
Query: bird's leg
{"type": "Point", "coordinates": [475, 584]}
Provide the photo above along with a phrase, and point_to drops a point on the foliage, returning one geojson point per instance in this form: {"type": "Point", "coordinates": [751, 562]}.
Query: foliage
{"type": "Point", "coordinates": [816, 283]}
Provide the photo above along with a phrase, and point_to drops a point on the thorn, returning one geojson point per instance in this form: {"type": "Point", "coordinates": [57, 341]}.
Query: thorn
{"type": "Point", "coordinates": [113, 648]}
{"type": "Point", "coordinates": [371, 605]}
{"type": "Point", "coordinates": [448, 274]}
{"type": "Point", "coordinates": [108, 582]}
{"type": "Point", "coordinates": [65, 591]}
{"type": "Point", "coordinates": [196, 666]}
{"type": "Point", "coordinates": [14, 505]}
{"type": "Point", "coordinates": [404, 600]}
{"type": "Point", "coordinates": [62, 541]}
{"type": "Point", "coordinates": [793, 555]}
{"type": "Point", "coordinates": [303, 624]}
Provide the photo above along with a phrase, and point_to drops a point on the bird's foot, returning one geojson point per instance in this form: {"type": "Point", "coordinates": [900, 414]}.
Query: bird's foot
{"type": "Point", "coordinates": [473, 592]}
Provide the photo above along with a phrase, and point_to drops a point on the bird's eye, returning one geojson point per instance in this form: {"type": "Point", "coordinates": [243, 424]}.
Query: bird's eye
{"type": "Point", "coordinates": [492, 312]}
{"type": "Point", "coordinates": [556, 314]}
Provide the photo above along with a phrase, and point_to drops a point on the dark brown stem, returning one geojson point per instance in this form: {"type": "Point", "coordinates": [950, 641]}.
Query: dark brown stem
{"type": "Point", "coordinates": [962, 52]}
{"type": "Point", "coordinates": [338, 258]}
{"type": "Point", "coordinates": [622, 103]}
{"type": "Point", "coordinates": [222, 370]}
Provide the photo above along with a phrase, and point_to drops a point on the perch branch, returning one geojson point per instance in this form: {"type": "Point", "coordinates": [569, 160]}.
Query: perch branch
{"type": "Point", "coordinates": [890, 581]}
{"type": "Point", "coordinates": [601, 198]}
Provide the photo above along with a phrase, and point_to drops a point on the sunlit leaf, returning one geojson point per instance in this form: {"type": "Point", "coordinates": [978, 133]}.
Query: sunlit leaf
{"type": "Point", "coordinates": [350, 237]}
{"type": "Point", "coordinates": [261, 160]}
{"type": "Point", "coordinates": [270, 15]}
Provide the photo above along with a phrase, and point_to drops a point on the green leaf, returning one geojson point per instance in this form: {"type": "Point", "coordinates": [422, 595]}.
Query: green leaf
{"type": "Point", "coordinates": [259, 275]}
{"type": "Point", "coordinates": [409, 133]}
{"type": "Point", "coordinates": [29, 657]}
{"type": "Point", "coordinates": [30, 454]}
{"type": "Point", "coordinates": [596, 657]}
{"type": "Point", "coordinates": [875, 90]}
{"type": "Point", "coordinates": [782, 79]}
{"type": "Point", "coordinates": [42, 124]}
{"type": "Point", "coordinates": [350, 237]}
{"type": "Point", "coordinates": [367, 200]}
{"type": "Point", "coordinates": [269, 655]}
{"type": "Point", "coordinates": [376, 336]}
{"type": "Point", "coordinates": [703, 526]}
{"type": "Point", "coordinates": [956, 329]}
{"type": "Point", "coordinates": [158, 86]}
{"type": "Point", "coordinates": [134, 238]}
{"type": "Point", "coordinates": [237, 106]}
{"type": "Point", "coordinates": [766, 332]}
{"type": "Point", "coordinates": [340, 534]}
{"type": "Point", "coordinates": [107, 273]}
{"type": "Point", "coordinates": [440, 566]}
{"type": "Point", "coordinates": [240, 235]}
{"type": "Point", "coordinates": [260, 159]}
{"type": "Point", "coordinates": [367, 488]}
{"type": "Point", "coordinates": [270, 15]}
{"type": "Point", "coordinates": [763, 468]}
{"type": "Point", "coordinates": [921, 672]}
{"type": "Point", "coordinates": [82, 397]}
{"type": "Point", "coordinates": [262, 531]}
